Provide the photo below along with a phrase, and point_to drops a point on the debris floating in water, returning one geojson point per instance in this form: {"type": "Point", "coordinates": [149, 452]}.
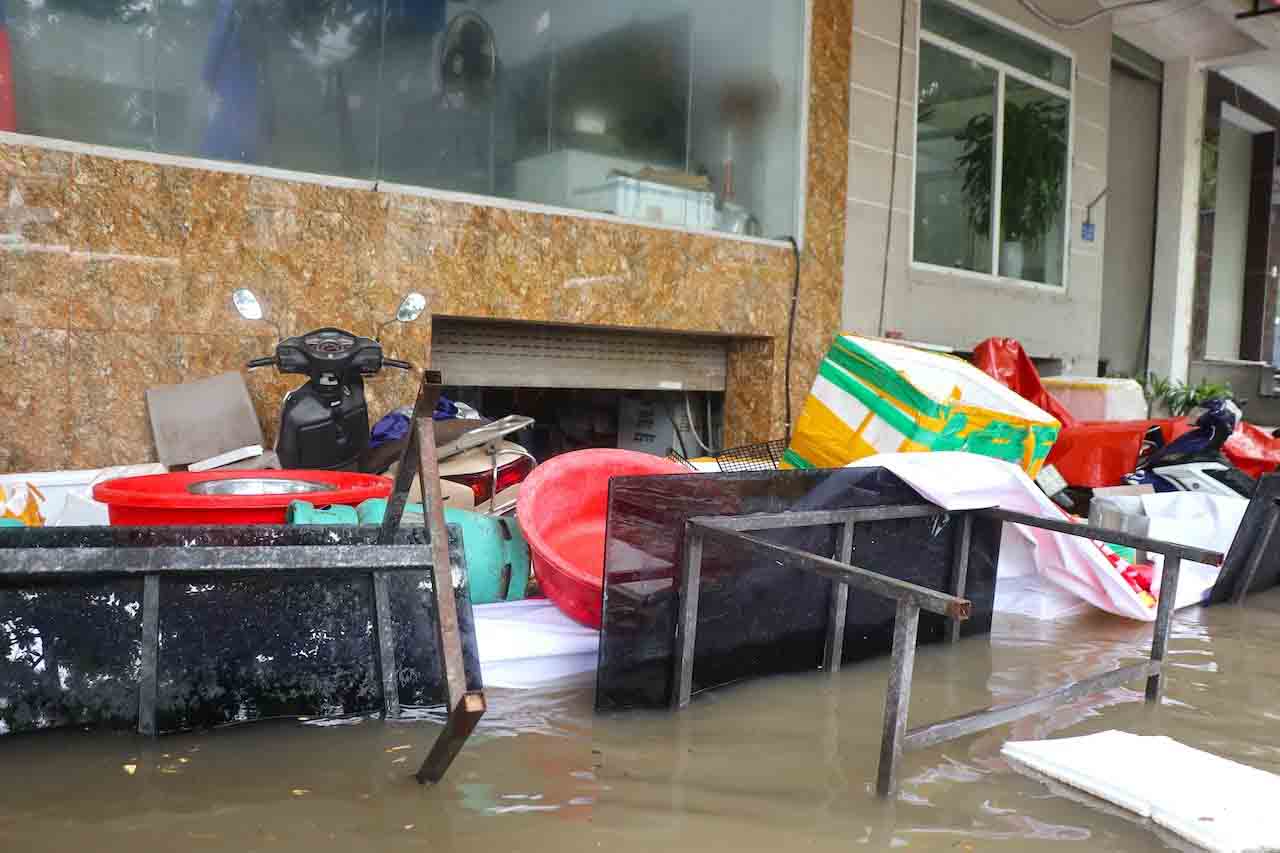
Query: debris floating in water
{"type": "Point", "coordinates": [130, 768]}
{"type": "Point", "coordinates": [300, 792]}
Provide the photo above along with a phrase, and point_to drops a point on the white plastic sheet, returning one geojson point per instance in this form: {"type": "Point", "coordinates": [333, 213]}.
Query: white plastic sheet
{"type": "Point", "coordinates": [961, 481]}
{"type": "Point", "coordinates": [69, 494]}
{"type": "Point", "coordinates": [530, 644]}
{"type": "Point", "coordinates": [1218, 804]}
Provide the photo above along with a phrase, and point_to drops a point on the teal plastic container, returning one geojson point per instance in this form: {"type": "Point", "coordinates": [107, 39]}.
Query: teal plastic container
{"type": "Point", "coordinates": [303, 513]}
{"type": "Point", "coordinates": [496, 552]}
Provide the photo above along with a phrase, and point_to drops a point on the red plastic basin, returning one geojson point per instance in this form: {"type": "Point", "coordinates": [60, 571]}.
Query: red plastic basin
{"type": "Point", "coordinates": [562, 511]}
{"type": "Point", "coordinates": [180, 499]}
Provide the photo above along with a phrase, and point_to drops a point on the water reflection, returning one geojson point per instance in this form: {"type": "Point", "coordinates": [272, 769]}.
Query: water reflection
{"type": "Point", "coordinates": [764, 765]}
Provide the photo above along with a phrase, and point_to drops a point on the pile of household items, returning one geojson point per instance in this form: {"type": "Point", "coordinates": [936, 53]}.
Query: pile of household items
{"type": "Point", "coordinates": [929, 477]}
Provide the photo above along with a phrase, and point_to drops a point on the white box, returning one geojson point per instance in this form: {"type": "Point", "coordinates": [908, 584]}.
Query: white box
{"type": "Point", "coordinates": [1093, 399]}
{"type": "Point", "coordinates": [68, 495]}
{"type": "Point", "coordinates": [650, 202]}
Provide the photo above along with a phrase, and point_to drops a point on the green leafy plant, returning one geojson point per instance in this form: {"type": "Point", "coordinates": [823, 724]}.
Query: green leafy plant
{"type": "Point", "coordinates": [1178, 397]}
{"type": "Point", "coordinates": [1033, 182]}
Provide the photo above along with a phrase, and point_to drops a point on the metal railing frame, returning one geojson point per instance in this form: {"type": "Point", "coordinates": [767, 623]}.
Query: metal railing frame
{"type": "Point", "coordinates": [911, 599]}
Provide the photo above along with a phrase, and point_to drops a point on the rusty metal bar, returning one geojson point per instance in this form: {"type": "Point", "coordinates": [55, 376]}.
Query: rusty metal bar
{"type": "Point", "coordinates": [1259, 552]}
{"type": "Point", "coordinates": [442, 569]}
{"type": "Point", "coordinates": [429, 391]}
{"type": "Point", "coordinates": [897, 699]}
{"type": "Point", "coordinates": [1118, 537]}
{"type": "Point", "coordinates": [148, 674]}
{"type": "Point", "coordinates": [820, 517]}
{"type": "Point", "coordinates": [687, 616]}
{"type": "Point", "coordinates": [1164, 621]}
{"type": "Point", "coordinates": [833, 653]}
{"type": "Point", "coordinates": [931, 600]}
{"type": "Point", "coordinates": [457, 728]}
{"type": "Point", "coordinates": [980, 721]}
{"type": "Point", "coordinates": [960, 569]}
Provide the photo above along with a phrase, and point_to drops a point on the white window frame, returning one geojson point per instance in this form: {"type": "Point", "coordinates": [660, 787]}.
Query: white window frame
{"type": "Point", "coordinates": [1003, 72]}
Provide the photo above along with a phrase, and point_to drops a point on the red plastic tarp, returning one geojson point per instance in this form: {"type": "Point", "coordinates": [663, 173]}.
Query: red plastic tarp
{"type": "Point", "coordinates": [1092, 454]}
{"type": "Point", "coordinates": [1008, 362]}
{"type": "Point", "coordinates": [1101, 453]}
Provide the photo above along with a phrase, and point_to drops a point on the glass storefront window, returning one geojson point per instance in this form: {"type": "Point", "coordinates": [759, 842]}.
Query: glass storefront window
{"type": "Point", "coordinates": [684, 112]}
{"type": "Point", "coordinates": [993, 151]}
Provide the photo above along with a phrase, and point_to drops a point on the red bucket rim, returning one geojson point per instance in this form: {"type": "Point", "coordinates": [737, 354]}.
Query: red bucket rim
{"type": "Point", "coordinates": [170, 491]}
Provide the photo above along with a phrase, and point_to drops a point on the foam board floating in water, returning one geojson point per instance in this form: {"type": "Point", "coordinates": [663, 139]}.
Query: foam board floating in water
{"type": "Point", "coordinates": [1210, 801]}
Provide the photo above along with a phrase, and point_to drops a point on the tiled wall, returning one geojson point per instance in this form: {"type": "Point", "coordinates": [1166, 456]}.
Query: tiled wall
{"type": "Point", "coordinates": [956, 309]}
{"type": "Point", "coordinates": [116, 274]}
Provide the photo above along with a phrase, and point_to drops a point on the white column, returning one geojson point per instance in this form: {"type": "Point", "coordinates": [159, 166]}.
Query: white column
{"type": "Point", "coordinates": [1177, 218]}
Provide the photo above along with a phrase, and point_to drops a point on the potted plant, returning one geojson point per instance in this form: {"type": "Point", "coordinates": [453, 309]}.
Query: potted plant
{"type": "Point", "coordinates": [1033, 181]}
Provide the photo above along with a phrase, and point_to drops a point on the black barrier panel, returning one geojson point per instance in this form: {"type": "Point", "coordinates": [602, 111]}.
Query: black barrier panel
{"type": "Point", "coordinates": [420, 671]}
{"type": "Point", "coordinates": [754, 617]}
{"type": "Point", "coordinates": [1253, 561]}
{"type": "Point", "coordinates": [69, 655]}
{"type": "Point", "coordinates": [232, 648]}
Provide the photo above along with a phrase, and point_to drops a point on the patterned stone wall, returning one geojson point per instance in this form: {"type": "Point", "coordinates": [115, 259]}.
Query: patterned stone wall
{"type": "Point", "coordinates": [116, 274]}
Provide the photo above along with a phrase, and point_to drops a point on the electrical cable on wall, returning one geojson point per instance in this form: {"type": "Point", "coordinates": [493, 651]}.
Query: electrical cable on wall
{"type": "Point", "coordinates": [1077, 23]}
{"type": "Point", "coordinates": [693, 428]}
{"type": "Point", "coordinates": [791, 336]}
{"type": "Point", "coordinates": [893, 165]}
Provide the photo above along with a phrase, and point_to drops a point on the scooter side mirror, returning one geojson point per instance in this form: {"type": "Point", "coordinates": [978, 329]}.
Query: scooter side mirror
{"type": "Point", "coordinates": [411, 308]}
{"type": "Point", "coordinates": [247, 305]}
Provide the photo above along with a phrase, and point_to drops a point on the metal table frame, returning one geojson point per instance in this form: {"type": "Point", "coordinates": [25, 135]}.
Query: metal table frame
{"type": "Point", "coordinates": [385, 553]}
{"type": "Point", "coordinates": [911, 599]}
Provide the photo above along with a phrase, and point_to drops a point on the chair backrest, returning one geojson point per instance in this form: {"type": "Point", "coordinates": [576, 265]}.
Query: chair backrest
{"type": "Point", "coordinates": [198, 420]}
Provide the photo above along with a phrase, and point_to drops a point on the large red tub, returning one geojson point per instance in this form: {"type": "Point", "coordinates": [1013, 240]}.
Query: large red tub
{"type": "Point", "coordinates": [562, 511]}
{"type": "Point", "coordinates": [227, 497]}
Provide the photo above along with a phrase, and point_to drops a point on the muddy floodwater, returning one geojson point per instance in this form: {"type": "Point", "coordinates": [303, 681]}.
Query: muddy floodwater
{"type": "Point", "coordinates": [779, 764]}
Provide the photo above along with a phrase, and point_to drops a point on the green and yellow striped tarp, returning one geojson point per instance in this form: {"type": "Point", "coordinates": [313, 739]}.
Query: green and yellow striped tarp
{"type": "Point", "coordinates": [874, 396]}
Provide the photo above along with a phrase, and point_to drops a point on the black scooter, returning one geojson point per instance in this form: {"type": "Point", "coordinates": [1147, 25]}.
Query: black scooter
{"type": "Point", "coordinates": [324, 424]}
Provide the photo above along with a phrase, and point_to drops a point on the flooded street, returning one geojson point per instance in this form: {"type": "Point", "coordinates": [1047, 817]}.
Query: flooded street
{"type": "Point", "coordinates": [784, 763]}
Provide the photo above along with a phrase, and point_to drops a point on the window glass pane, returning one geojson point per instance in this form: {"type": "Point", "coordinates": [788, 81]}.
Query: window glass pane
{"type": "Point", "coordinates": [705, 91]}
{"type": "Point", "coordinates": [443, 99]}
{"type": "Point", "coordinates": [991, 40]}
{"type": "Point", "coordinates": [279, 83]}
{"type": "Point", "coordinates": [955, 160]}
{"type": "Point", "coordinates": [1034, 184]}
{"type": "Point", "coordinates": [562, 102]}
{"type": "Point", "coordinates": [82, 69]}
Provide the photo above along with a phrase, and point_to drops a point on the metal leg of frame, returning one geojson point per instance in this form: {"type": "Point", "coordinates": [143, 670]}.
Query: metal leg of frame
{"type": "Point", "coordinates": [687, 622]}
{"type": "Point", "coordinates": [834, 652]}
{"type": "Point", "coordinates": [960, 569]}
{"type": "Point", "coordinates": [461, 723]}
{"type": "Point", "coordinates": [465, 707]}
{"type": "Point", "coordinates": [1259, 553]}
{"type": "Point", "coordinates": [1164, 619]}
{"type": "Point", "coordinates": [384, 645]}
{"type": "Point", "coordinates": [149, 677]}
{"type": "Point", "coordinates": [898, 696]}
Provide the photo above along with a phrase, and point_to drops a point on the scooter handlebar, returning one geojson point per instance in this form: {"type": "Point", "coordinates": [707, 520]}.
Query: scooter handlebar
{"type": "Point", "coordinates": [397, 363]}
{"type": "Point", "coordinates": [265, 361]}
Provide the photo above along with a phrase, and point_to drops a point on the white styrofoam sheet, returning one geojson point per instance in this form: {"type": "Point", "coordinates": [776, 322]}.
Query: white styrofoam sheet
{"type": "Point", "coordinates": [1213, 802]}
{"type": "Point", "coordinates": [525, 645]}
